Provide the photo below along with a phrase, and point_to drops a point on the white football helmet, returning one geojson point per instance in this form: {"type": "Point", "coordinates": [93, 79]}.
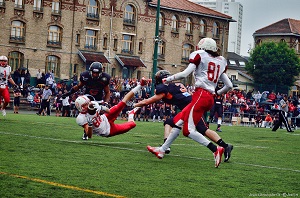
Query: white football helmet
{"type": "Point", "coordinates": [3, 58]}
{"type": "Point", "coordinates": [207, 44]}
{"type": "Point", "coordinates": [82, 103]}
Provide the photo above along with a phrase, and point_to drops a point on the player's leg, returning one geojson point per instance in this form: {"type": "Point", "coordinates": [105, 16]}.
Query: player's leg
{"type": "Point", "coordinates": [6, 98]}
{"type": "Point", "coordinates": [117, 129]}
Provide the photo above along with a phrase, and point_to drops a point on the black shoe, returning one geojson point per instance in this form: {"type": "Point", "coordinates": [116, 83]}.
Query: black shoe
{"type": "Point", "coordinates": [227, 152]}
{"type": "Point", "coordinates": [290, 131]}
{"type": "Point", "coordinates": [38, 114]}
{"type": "Point", "coordinates": [85, 137]}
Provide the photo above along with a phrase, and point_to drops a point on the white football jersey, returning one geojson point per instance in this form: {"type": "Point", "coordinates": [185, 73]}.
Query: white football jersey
{"type": "Point", "coordinates": [101, 125]}
{"type": "Point", "coordinates": [4, 74]}
{"type": "Point", "coordinates": [208, 69]}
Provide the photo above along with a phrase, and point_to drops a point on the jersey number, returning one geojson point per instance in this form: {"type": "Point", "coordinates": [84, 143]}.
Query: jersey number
{"type": "Point", "coordinates": [213, 72]}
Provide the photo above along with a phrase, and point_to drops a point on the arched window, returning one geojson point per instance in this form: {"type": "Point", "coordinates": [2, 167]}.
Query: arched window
{"type": "Point", "coordinates": [258, 42]}
{"type": "Point", "coordinates": [215, 30]}
{"type": "Point", "coordinates": [93, 9]}
{"type": "Point", "coordinates": [161, 21]}
{"type": "Point", "coordinates": [54, 35]}
{"type": "Point", "coordinates": [174, 24]}
{"type": "Point", "coordinates": [53, 64]}
{"type": "Point", "coordinates": [282, 40]}
{"type": "Point", "coordinates": [90, 39]}
{"type": "Point", "coordinates": [129, 16]}
{"type": "Point", "coordinates": [189, 25]}
{"type": "Point", "coordinates": [17, 32]}
{"type": "Point", "coordinates": [202, 28]}
{"type": "Point", "coordinates": [161, 49]}
{"type": "Point", "coordinates": [186, 51]}
{"type": "Point", "coordinates": [16, 60]}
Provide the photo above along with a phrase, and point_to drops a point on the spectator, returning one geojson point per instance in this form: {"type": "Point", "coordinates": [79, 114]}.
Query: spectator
{"type": "Point", "coordinates": [269, 121]}
{"type": "Point", "coordinates": [39, 77]}
{"type": "Point", "coordinates": [27, 77]}
{"type": "Point", "coordinates": [30, 99]}
{"type": "Point", "coordinates": [258, 120]}
{"type": "Point", "coordinates": [17, 96]}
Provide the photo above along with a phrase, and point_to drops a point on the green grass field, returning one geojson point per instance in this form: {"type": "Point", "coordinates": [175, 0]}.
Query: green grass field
{"type": "Point", "coordinates": [45, 157]}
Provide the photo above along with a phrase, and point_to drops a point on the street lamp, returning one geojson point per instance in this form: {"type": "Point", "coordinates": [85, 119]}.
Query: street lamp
{"type": "Point", "coordinates": [156, 41]}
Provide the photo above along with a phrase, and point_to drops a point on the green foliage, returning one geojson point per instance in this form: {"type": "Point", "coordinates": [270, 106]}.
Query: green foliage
{"type": "Point", "coordinates": [45, 157]}
{"type": "Point", "coordinates": [274, 63]}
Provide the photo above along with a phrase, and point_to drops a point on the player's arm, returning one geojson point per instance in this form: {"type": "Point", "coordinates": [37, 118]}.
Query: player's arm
{"type": "Point", "coordinates": [150, 100]}
{"type": "Point", "coordinates": [191, 67]}
{"type": "Point", "coordinates": [11, 81]}
{"type": "Point", "coordinates": [227, 84]}
{"type": "Point", "coordinates": [107, 94]}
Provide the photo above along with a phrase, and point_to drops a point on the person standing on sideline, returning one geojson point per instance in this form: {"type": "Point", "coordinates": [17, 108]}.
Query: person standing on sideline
{"type": "Point", "coordinates": [208, 67]}
{"type": "Point", "coordinates": [283, 110]}
{"type": "Point", "coordinates": [45, 104]}
{"type": "Point", "coordinates": [5, 77]}
{"type": "Point", "coordinates": [17, 96]}
{"type": "Point", "coordinates": [95, 82]}
{"type": "Point", "coordinates": [39, 77]}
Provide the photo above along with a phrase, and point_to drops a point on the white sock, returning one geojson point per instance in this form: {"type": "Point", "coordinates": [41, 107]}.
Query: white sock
{"type": "Point", "coordinates": [136, 89]}
{"type": "Point", "coordinates": [173, 135]}
{"type": "Point", "coordinates": [198, 137]}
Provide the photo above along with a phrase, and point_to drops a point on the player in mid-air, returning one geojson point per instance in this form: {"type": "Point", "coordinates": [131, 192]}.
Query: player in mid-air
{"type": "Point", "coordinates": [208, 67]}
{"type": "Point", "coordinates": [5, 77]}
{"type": "Point", "coordinates": [94, 121]}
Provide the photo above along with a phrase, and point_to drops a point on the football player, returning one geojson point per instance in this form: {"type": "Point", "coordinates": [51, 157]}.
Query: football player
{"type": "Point", "coordinates": [177, 94]}
{"type": "Point", "coordinates": [95, 82]}
{"type": "Point", "coordinates": [208, 67]}
{"type": "Point", "coordinates": [5, 77]}
{"type": "Point", "coordinates": [92, 119]}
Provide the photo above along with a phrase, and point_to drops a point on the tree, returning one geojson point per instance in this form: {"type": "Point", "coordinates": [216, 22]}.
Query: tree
{"type": "Point", "coordinates": [274, 63]}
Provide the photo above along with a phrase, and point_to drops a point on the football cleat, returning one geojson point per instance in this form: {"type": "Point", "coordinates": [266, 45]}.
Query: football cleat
{"type": "Point", "coordinates": [218, 156]}
{"type": "Point", "coordinates": [3, 112]}
{"type": "Point", "coordinates": [156, 151]}
{"type": "Point", "coordinates": [219, 130]}
{"type": "Point", "coordinates": [85, 137]}
{"type": "Point", "coordinates": [168, 150]}
{"type": "Point", "coordinates": [227, 152]}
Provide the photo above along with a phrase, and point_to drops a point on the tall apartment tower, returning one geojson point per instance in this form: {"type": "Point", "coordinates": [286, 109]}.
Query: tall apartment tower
{"type": "Point", "coordinates": [233, 9]}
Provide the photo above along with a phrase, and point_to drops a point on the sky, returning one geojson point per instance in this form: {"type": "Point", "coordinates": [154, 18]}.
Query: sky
{"type": "Point", "coordinates": [261, 13]}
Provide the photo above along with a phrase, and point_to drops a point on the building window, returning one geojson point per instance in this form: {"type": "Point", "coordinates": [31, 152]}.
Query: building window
{"type": "Point", "coordinates": [161, 50]}
{"type": "Point", "coordinates": [93, 9]}
{"type": "Point", "coordinates": [282, 40]}
{"type": "Point", "coordinates": [104, 42]}
{"type": "Point", "coordinates": [16, 60]}
{"type": "Point", "coordinates": [188, 26]}
{"type": "Point", "coordinates": [77, 39]}
{"type": "Point", "coordinates": [258, 42]}
{"type": "Point", "coordinates": [54, 35]}
{"type": "Point", "coordinates": [2, 3]}
{"type": "Point", "coordinates": [129, 15]}
{"type": "Point", "coordinates": [233, 78]}
{"type": "Point", "coordinates": [56, 7]}
{"type": "Point", "coordinates": [186, 51]}
{"type": "Point", "coordinates": [174, 24]}
{"type": "Point", "coordinates": [38, 5]}
{"type": "Point", "coordinates": [19, 4]}
{"type": "Point", "coordinates": [127, 44]}
{"type": "Point", "coordinates": [161, 22]}
{"type": "Point", "coordinates": [215, 30]}
{"type": "Point", "coordinates": [53, 64]}
{"type": "Point", "coordinates": [17, 32]}
{"type": "Point", "coordinates": [115, 44]}
{"type": "Point", "coordinates": [90, 39]}
{"type": "Point", "coordinates": [202, 28]}
{"type": "Point", "coordinates": [140, 47]}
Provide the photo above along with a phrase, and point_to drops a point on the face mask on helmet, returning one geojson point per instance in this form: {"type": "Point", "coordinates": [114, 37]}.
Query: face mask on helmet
{"type": "Point", "coordinates": [82, 103]}
{"type": "Point", "coordinates": [161, 75]}
{"type": "Point", "coordinates": [95, 70]}
{"type": "Point", "coordinates": [207, 44]}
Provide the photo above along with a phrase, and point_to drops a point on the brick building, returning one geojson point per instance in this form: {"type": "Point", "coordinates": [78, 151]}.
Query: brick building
{"type": "Point", "coordinates": [67, 35]}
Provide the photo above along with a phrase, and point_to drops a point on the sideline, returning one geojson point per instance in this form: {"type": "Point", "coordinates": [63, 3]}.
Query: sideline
{"type": "Point", "coordinates": [62, 185]}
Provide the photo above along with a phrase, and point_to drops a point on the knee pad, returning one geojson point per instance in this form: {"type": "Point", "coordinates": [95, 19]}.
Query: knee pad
{"type": "Point", "coordinates": [201, 127]}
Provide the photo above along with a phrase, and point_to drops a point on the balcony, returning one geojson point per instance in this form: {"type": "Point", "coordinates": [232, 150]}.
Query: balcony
{"type": "Point", "coordinates": [17, 39]}
{"type": "Point", "coordinates": [90, 47]}
{"type": "Point", "coordinates": [189, 32]}
{"type": "Point", "coordinates": [185, 59]}
{"type": "Point", "coordinates": [92, 16]}
{"type": "Point", "coordinates": [126, 51]}
{"type": "Point", "coordinates": [130, 22]}
{"type": "Point", "coordinates": [51, 43]}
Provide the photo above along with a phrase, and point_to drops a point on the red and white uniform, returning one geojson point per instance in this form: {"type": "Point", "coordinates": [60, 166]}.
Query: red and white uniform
{"type": "Point", "coordinates": [103, 125]}
{"type": "Point", "coordinates": [207, 70]}
{"type": "Point", "coordinates": [4, 77]}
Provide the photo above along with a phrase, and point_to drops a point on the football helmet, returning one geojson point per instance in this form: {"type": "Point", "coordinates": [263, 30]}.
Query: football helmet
{"type": "Point", "coordinates": [161, 74]}
{"type": "Point", "coordinates": [96, 69]}
{"type": "Point", "coordinates": [3, 58]}
{"type": "Point", "coordinates": [207, 44]}
{"type": "Point", "coordinates": [82, 103]}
